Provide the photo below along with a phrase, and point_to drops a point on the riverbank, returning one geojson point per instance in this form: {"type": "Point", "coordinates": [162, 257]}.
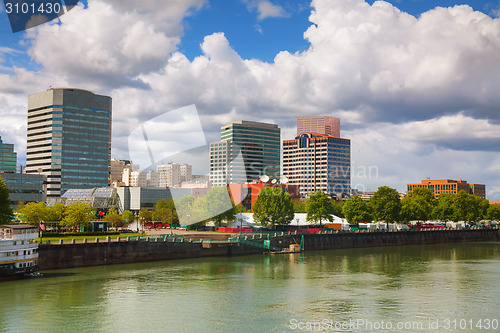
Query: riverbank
{"type": "Point", "coordinates": [186, 245]}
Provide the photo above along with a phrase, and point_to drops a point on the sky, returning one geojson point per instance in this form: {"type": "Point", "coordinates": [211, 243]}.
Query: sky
{"type": "Point", "coordinates": [416, 83]}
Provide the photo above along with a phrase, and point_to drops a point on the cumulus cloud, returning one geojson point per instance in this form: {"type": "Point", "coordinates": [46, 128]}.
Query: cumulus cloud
{"type": "Point", "coordinates": [111, 42]}
{"type": "Point", "coordinates": [265, 9]}
{"type": "Point", "coordinates": [417, 96]}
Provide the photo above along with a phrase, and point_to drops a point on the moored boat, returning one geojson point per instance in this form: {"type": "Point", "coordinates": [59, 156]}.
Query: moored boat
{"type": "Point", "coordinates": [18, 250]}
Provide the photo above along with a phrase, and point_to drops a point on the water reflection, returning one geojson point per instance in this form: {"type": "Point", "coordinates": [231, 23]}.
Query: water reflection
{"type": "Point", "coordinates": [260, 293]}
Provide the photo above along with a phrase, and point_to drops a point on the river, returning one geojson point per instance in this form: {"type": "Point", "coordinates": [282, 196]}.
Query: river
{"type": "Point", "coordinates": [435, 288]}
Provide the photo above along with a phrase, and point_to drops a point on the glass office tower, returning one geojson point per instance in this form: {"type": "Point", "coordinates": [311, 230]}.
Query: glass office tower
{"type": "Point", "coordinates": [8, 158]}
{"type": "Point", "coordinates": [247, 151]}
{"type": "Point", "coordinates": [69, 139]}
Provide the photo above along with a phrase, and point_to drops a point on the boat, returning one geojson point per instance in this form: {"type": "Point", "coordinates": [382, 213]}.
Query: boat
{"type": "Point", "coordinates": [18, 250]}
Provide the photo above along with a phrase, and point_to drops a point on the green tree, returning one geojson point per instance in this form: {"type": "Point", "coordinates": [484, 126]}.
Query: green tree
{"type": "Point", "coordinates": [273, 207]}
{"type": "Point", "coordinates": [5, 209]}
{"type": "Point", "coordinates": [445, 209]}
{"type": "Point", "coordinates": [76, 214]}
{"type": "Point", "coordinates": [114, 219]}
{"type": "Point", "coordinates": [32, 213]}
{"type": "Point", "coordinates": [146, 215]}
{"type": "Point", "coordinates": [165, 204]}
{"type": "Point", "coordinates": [386, 204]}
{"type": "Point", "coordinates": [299, 206]}
{"type": "Point", "coordinates": [467, 207]}
{"type": "Point", "coordinates": [319, 207]}
{"type": "Point", "coordinates": [241, 208]}
{"type": "Point", "coordinates": [493, 213]}
{"type": "Point", "coordinates": [163, 215]}
{"type": "Point", "coordinates": [128, 216]}
{"type": "Point", "coordinates": [418, 205]}
{"type": "Point", "coordinates": [55, 213]}
{"type": "Point", "coordinates": [337, 208]}
{"type": "Point", "coordinates": [217, 205]}
{"type": "Point", "coordinates": [356, 210]}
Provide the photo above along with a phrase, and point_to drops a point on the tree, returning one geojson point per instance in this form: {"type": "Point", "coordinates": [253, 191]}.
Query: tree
{"type": "Point", "coordinates": [114, 219]}
{"type": "Point", "coordinates": [445, 209]}
{"type": "Point", "coordinates": [218, 206]}
{"type": "Point", "coordinates": [55, 213]}
{"type": "Point", "coordinates": [128, 216]}
{"type": "Point", "coordinates": [165, 211]}
{"type": "Point", "coordinates": [299, 206]}
{"type": "Point", "coordinates": [418, 205]}
{"type": "Point", "coordinates": [146, 215]}
{"type": "Point", "coordinates": [356, 210]}
{"type": "Point", "coordinates": [32, 213]}
{"type": "Point", "coordinates": [273, 207]}
{"type": "Point", "coordinates": [337, 208]}
{"type": "Point", "coordinates": [165, 204]}
{"type": "Point", "coordinates": [163, 215]}
{"type": "Point", "coordinates": [493, 213]}
{"type": "Point", "coordinates": [386, 204]}
{"type": "Point", "coordinates": [319, 207]}
{"type": "Point", "coordinates": [467, 207]}
{"type": "Point", "coordinates": [5, 209]}
{"type": "Point", "coordinates": [76, 214]}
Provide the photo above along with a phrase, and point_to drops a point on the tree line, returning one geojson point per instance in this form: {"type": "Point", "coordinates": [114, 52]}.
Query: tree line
{"type": "Point", "coordinates": [420, 205]}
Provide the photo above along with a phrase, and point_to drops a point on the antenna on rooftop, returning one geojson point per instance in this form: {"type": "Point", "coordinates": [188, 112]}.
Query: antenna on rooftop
{"type": "Point", "coordinates": [264, 178]}
{"type": "Point", "coordinates": [283, 180]}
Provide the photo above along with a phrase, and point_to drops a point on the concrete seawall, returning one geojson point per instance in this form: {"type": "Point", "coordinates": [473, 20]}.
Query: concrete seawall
{"type": "Point", "coordinates": [55, 256]}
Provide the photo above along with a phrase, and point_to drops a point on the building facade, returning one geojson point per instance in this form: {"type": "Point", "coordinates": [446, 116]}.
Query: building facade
{"type": "Point", "coordinates": [247, 193]}
{"type": "Point", "coordinates": [438, 186]}
{"type": "Point", "coordinates": [322, 125]}
{"type": "Point", "coordinates": [173, 174]}
{"type": "Point", "coordinates": [247, 151]}
{"type": "Point", "coordinates": [69, 139]}
{"type": "Point", "coordinates": [116, 168]}
{"type": "Point", "coordinates": [25, 187]}
{"type": "Point", "coordinates": [137, 198]}
{"type": "Point", "coordinates": [8, 158]}
{"type": "Point", "coordinates": [318, 162]}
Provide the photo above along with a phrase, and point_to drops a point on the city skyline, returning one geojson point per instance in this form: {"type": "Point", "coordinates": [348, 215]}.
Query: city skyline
{"type": "Point", "coordinates": [413, 83]}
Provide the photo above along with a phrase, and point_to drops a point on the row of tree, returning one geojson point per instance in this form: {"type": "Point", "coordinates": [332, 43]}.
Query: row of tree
{"type": "Point", "coordinates": [420, 205]}
{"type": "Point", "coordinates": [71, 216]}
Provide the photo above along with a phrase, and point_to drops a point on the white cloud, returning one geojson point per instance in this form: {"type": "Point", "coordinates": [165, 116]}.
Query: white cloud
{"type": "Point", "coordinates": [417, 96]}
{"type": "Point", "coordinates": [111, 42]}
{"type": "Point", "coordinates": [265, 9]}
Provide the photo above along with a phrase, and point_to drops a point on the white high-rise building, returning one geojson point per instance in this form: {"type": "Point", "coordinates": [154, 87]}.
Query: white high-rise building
{"type": "Point", "coordinates": [173, 175]}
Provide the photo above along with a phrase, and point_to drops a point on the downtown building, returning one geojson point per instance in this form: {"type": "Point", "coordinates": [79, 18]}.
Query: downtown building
{"type": "Point", "coordinates": [22, 187]}
{"type": "Point", "coordinates": [438, 186]}
{"type": "Point", "coordinates": [69, 139]}
{"type": "Point", "coordinates": [247, 151]}
{"type": "Point", "coordinates": [318, 161]}
{"type": "Point", "coordinates": [8, 158]}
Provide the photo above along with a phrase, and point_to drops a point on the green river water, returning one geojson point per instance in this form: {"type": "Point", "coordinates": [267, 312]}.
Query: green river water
{"type": "Point", "coordinates": [437, 288]}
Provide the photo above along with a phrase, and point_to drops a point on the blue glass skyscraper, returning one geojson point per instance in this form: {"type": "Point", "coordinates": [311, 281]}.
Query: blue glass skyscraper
{"type": "Point", "coordinates": [69, 139]}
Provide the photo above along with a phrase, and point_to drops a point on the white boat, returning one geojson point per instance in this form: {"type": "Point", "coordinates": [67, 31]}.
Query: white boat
{"type": "Point", "coordinates": [18, 250]}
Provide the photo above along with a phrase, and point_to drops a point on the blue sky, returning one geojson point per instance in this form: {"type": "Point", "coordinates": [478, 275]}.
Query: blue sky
{"type": "Point", "coordinates": [417, 94]}
{"type": "Point", "coordinates": [249, 35]}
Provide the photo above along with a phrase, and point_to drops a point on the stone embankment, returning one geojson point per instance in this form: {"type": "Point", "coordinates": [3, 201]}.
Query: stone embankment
{"type": "Point", "coordinates": [121, 251]}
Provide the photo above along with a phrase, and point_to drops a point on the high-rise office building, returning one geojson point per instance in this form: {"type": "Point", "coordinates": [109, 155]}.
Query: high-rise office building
{"type": "Point", "coordinates": [321, 125]}
{"type": "Point", "coordinates": [173, 174]}
{"type": "Point", "coordinates": [247, 150]}
{"type": "Point", "coordinates": [69, 139]}
{"type": "Point", "coordinates": [8, 158]}
{"type": "Point", "coordinates": [316, 161]}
